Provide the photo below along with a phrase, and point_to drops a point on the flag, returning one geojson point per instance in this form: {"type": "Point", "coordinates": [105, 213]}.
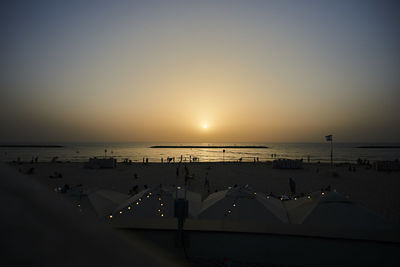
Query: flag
{"type": "Point", "coordinates": [328, 137]}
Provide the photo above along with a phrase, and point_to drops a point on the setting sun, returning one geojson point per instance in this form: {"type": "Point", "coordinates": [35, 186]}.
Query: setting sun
{"type": "Point", "coordinates": [205, 126]}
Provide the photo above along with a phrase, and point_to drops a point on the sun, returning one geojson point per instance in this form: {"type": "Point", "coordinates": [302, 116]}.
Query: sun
{"type": "Point", "coordinates": [205, 126]}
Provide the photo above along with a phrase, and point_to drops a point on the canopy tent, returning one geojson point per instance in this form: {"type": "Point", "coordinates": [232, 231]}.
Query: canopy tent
{"type": "Point", "coordinates": [105, 201]}
{"type": "Point", "coordinates": [332, 208]}
{"type": "Point", "coordinates": [243, 204]}
{"type": "Point", "coordinates": [157, 202]}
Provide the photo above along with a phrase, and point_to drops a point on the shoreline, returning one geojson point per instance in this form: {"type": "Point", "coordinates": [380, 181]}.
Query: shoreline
{"type": "Point", "coordinates": [121, 162]}
{"type": "Point", "coordinates": [207, 152]}
{"type": "Point", "coordinates": [384, 147]}
{"type": "Point", "coordinates": [256, 147]}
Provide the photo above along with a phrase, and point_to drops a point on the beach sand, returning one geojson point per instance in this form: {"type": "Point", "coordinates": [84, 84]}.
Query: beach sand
{"type": "Point", "coordinates": [377, 191]}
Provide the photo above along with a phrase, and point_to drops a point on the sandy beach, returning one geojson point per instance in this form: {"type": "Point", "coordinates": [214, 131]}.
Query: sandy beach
{"type": "Point", "coordinates": [377, 191]}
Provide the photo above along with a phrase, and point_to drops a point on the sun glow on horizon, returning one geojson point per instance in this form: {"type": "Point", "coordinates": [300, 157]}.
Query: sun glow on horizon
{"type": "Point", "coordinates": [205, 126]}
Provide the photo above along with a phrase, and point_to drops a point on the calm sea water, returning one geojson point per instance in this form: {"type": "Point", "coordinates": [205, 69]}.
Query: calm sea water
{"type": "Point", "coordinates": [343, 152]}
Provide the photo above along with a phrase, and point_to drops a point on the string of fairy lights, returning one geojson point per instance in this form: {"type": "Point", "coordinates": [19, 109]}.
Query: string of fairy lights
{"type": "Point", "coordinates": [235, 202]}
{"type": "Point", "coordinates": [234, 205]}
{"type": "Point", "coordinates": [160, 209]}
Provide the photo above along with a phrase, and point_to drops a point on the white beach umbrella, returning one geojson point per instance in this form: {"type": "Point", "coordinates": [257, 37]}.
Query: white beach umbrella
{"type": "Point", "coordinates": [157, 202]}
{"type": "Point", "coordinates": [242, 204]}
{"type": "Point", "coordinates": [332, 208]}
{"type": "Point", "coordinates": [105, 201]}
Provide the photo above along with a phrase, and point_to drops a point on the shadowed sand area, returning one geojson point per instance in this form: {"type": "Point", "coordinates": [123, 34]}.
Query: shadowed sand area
{"type": "Point", "coordinates": [377, 191]}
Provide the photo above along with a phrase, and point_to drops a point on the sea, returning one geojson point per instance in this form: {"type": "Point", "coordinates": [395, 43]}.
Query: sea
{"type": "Point", "coordinates": [138, 152]}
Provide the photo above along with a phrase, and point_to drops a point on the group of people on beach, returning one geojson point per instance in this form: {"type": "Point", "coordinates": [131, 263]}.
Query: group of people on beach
{"type": "Point", "coordinates": [182, 159]}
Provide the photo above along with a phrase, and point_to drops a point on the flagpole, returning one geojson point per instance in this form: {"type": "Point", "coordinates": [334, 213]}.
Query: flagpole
{"type": "Point", "coordinates": [332, 152]}
{"type": "Point", "coordinates": [330, 138]}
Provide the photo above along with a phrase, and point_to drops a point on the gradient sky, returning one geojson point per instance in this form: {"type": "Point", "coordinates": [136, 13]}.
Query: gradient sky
{"type": "Point", "coordinates": [253, 71]}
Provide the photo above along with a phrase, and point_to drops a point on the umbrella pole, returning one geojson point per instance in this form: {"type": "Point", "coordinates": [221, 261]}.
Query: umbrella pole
{"type": "Point", "coordinates": [180, 232]}
{"type": "Point", "coordinates": [181, 212]}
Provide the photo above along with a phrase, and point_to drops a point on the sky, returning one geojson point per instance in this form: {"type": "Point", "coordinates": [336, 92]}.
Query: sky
{"type": "Point", "coordinates": [158, 71]}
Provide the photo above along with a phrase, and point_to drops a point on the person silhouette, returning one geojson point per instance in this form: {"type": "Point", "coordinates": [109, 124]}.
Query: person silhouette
{"type": "Point", "coordinates": [292, 185]}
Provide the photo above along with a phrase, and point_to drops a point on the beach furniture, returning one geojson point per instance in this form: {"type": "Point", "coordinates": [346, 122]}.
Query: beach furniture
{"type": "Point", "coordinates": [101, 163]}
{"type": "Point", "coordinates": [387, 165]}
{"type": "Point", "coordinates": [287, 164]}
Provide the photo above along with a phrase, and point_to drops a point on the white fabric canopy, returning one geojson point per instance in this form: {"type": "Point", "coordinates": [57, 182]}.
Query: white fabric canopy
{"type": "Point", "coordinates": [157, 202]}
{"type": "Point", "coordinates": [105, 201]}
{"type": "Point", "coordinates": [332, 208]}
{"type": "Point", "coordinates": [242, 204]}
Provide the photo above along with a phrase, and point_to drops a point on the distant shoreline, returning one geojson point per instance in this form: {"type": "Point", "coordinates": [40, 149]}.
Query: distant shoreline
{"type": "Point", "coordinates": [34, 146]}
{"type": "Point", "coordinates": [257, 147]}
{"type": "Point", "coordinates": [378, 147]}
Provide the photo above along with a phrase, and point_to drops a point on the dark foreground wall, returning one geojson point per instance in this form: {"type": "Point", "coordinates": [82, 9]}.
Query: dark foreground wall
{"type": "Point", "coordinates": [38, 228]}
{"type": "Point", "coordinates": [205, 247]}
